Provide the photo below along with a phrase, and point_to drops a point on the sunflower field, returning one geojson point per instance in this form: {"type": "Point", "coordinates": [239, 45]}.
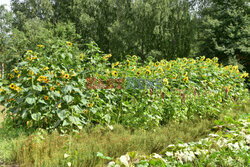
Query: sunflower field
{"type": "Point", "coordinates": [57, 86]}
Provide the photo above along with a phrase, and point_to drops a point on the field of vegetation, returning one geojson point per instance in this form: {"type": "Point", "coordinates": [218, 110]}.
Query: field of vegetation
{"type": "Point", "coordinates": [56, 116]}
{"type": "Point", "coordinates": [124, 83]}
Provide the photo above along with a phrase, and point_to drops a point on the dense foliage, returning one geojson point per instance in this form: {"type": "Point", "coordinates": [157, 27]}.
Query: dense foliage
{"type": "Point", "coordinates": [52, 92]}
{"type": "Point", "coordinates": [228, 147]}
{"type": "Point", "coordinates": [162, 29]}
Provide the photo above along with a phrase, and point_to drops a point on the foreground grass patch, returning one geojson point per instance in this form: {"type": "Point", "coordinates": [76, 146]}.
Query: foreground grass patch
{"type": "Point", "coordinates": [42, 149]}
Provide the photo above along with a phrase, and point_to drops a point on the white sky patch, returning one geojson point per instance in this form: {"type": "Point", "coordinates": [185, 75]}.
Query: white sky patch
{"type": "Point", "coordinates": [6, 3]}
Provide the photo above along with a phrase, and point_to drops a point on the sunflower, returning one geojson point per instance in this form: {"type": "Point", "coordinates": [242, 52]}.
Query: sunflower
{"type": "Point", "coordinates": [185, 74]}
{"type": "Point", "coordinates": [69, 43]}
{"type": "Point", "coordinates": [46, 68]}
{"type": "Point", "coordinates": [16, 71]}
{"type": "Point", "coordinates": [114, 73]}
{"type": "Point", "coordinates": [35, 57]}
{"type": "Point", "coordinates": [138, 72]}
{"type": "Point", "coordinates": [66, 76]}
{"type": "Point", "coordinates": [29, 51]}
{"type": "Point", "coordinates": [116, 64]}
{"type": "Point", "coordinates": [105, 58]}
{"type": "Point", "coordinates": [31, 73]}
{"type": "Point", "coordinates": [40, 46]}
{"type": "Point", "coordinates": [160, 70]}
{"type": "Point", "coordinates": [128, 62]}
{"type": "Point", "coordinates": [29, 58]}
{"type": "Point", "coordinates": [175, 76]}
{"type": "Point", "coordinates": [12, 86]}
{"type": "Point", "coordinates": [133, 69]}
{"type": "Point", "coordinates": [165, 81]}
{"type": "Point", "coordinates": [185, 79]}
{"type": "Point", "coordinates": [85, 111]}
{"type": "Point", "coordinates": [81, 56]}
{"type": "Point", "coordinates": [157, 64]}
{"type": "Point", "coordinates": [148, 72]}
{"type": "Point", "coordinates": [109, 55]}
{"type": "Point", "coordinates": [46, 97]}
{"type": "Point", "coordinates": [59, 105]}
{"type": "Point", "coordinates": [52, 88]}
{"type": "Point", "coordinates": [203, 58]}
{"type": "Point", "coordinates": [134, 57]}
{"type": "Point", "coordinates": [18, 89]}
{"type": "Point", "coordinates": [90, 105]}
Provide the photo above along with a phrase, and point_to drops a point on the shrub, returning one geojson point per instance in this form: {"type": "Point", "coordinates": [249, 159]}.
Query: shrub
{"type": "Point", "coordinates": [48, 89]}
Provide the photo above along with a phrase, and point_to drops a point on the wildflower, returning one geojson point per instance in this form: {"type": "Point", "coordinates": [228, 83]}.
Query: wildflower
{"type": "Point", "coordinates": [40, 46]}
{"type": "Point", "coordinates": [16, 71]}
{"type": "Point", "coordinates": [69, 43]}
{"type": "Point", "coordinates": [90, 105]}
{"type": "Point", "coordinates": [46, 98]}
{"type": "Point", "coordinates": [114, 73]}
{"type": "Point", "coordinates": [52, 88]}
{"type": "Point", "coordinates": [59, 105]}
{"type": "Point", "coordinates": [175, 76]}
{"type": "Point", "coordinates": [46, 68]}
{"type": "Point", "coordinates": [185, 79]}
{"type": "Point", "coordinates": [12, 86]}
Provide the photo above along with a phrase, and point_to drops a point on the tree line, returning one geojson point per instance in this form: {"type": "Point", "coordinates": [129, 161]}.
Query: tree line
{"type": "Point", "coordinates": [150, 29]}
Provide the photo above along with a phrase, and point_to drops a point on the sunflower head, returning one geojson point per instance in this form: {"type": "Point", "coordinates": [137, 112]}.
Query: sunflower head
{"type": "Point", "coordinates": [90, 105]}
{"type": "Point", "coordinates": [148, 72]}
{"type": "Point", "coordinates": [165, 81]}
{"type": "Point", "coordinates": [138, 72]}
{"type": "Point", "coordinates": [52, 88]}
{"type": "Point", "coordinates": [185, 79]}
{"type": "Point", "coordinates": [128, 62]}
{"type": "Point", "coordinates": [69, 43]}
{"type": "Point", "coordinates": [40, 46]}
{"type": "Point", "coordinates": [46, 68]}
{"type": "Point", "coordinates": [59, 105]}
{"type": "Point", "coordinates": [114, 73]}
{"type": "Point", "coordinates": [66, 76]}
{"type": "Point", "coordinates": [16, 71]}
{"type": "Point", "coordinates": [12, 86]}
{"type": "Point", "coordinates": [46, 97]}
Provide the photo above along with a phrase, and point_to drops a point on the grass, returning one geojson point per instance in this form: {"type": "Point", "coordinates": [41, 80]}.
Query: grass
{"type": "Point", "coordinates": [42, 149]}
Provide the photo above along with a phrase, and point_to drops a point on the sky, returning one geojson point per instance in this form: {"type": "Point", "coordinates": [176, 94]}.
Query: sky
{"type": "Point", "coordinates": [6, 2]}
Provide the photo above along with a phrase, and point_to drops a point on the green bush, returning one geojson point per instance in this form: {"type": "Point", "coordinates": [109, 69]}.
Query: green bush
{"type": "Point", "coordinates": [48, 89]}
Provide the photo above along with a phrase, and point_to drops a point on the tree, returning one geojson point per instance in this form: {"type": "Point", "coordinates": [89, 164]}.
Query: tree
{"type": "Point", "coordinates": [5, 30]}
{"type": "Point", "coordinates": [225, 31]}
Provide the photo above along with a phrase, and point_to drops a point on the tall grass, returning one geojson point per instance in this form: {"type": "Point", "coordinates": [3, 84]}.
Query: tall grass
{"type": "Point", "coordinates": [42, 149]}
